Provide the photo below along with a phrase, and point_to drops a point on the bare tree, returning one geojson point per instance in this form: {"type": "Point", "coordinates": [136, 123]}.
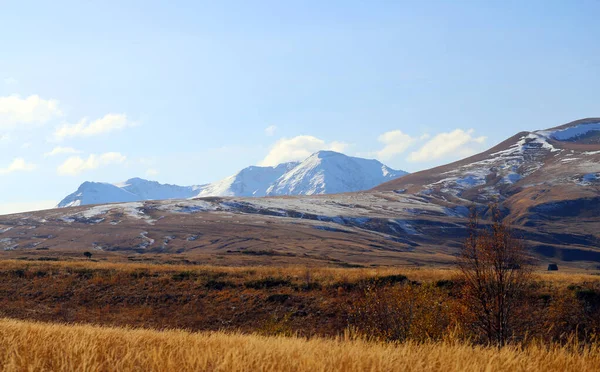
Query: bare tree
{"type": "Point", "coordinates": [493, 264]}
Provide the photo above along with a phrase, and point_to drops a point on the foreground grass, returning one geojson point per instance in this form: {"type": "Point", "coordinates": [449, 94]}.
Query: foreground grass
{"type": "Point", "coordinates": [51, 347]}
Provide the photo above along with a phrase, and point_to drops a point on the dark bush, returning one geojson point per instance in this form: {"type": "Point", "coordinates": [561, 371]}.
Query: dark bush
{"type": "Point", "coordinates": [279, 298]}
{"type": "Point", "coordinates": [589, 298]}
{"type": "Point", "coordinates": [445, 283]}
{"type": "Point", "coordinates": [183, 275]}
{"type": "Point", "coordinates": [218, 284]}
{"type": "Point", "coordinates": [268, 282]}
{"type": "Point", "coordinates": [19, 273]}
{"type": "Point", "coordinates": [48, 259]}
{"type": "Point", "coordinates": [310, 286]}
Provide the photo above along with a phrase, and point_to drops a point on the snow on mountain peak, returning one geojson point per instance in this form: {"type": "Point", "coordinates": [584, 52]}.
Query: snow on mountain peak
{"type": "Point", "coordinates": [584, 131]}
{"type": "Point", "coordinates": [330, 172]}
{"type": "Point", "coordinates": [323, 172]}
{"type": "Point", "coordinates": [250, 181]}
{"type": "Point", "coordinates": [134, 189]}
{"type": "Point", "coordinates": [576, 132]}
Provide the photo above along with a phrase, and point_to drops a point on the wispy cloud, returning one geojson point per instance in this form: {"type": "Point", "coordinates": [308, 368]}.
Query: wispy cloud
{"type": "Point", "coordinates": [58, 150]}
{"type": "Point", "coordinates": [270, 130]}
{"type": "Point", "coordinates": [298, 148]}
{"type": "Point", "coordinates": [152, 172]}
{"type": "Point", "coordinates": [18, 165]}
{"type": "Point", "coordinates": [85, 128]}
{"type": "Point", "coordinates": [11, 81]}
{"type": "Point", "coordinates": [76, 165]}
{"type": "Point", "coordinates": [459, 143]}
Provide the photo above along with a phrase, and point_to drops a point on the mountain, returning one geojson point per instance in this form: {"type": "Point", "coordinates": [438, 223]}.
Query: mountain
{"type": "Point", "coordinates": [324, 172]}
{"type": "Point", "coordinates": [97, 193]}
{"type": "Point", "coordinates": [251, 181]}
{"type": "Point", "coordinates": [135, 189]}
{"type": "Point", "coordinates": [546, 181]}
{"type": "Point", "coordinates": [546, 165]}
{"type": "Point", "coordinates": [152, 190]}
{"type": "Point", "coordinates": [328, 172]}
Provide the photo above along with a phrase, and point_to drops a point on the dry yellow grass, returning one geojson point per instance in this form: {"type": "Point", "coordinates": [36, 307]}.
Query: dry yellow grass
{"type": "Point", "coordinates": [27, 346]}
{"type": "Point", "coordinates": [324, 275]}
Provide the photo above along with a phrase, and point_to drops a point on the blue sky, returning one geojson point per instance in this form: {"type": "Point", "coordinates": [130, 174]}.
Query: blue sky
{"type": "Point", "coordinates": [190, 92]}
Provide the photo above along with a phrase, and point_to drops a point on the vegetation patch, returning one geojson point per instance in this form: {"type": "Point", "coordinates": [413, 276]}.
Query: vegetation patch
{"type": "Point", "coordinates": [269, 282]}
{"type": "Point", "coordinates": [278, 298]}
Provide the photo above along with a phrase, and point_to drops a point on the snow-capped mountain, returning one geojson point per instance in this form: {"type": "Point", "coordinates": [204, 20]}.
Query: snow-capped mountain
{"type": "Point", "coordinates": [325, 172]}
{"type": "Point", "coordinates": [97, 193]}
{"type": "Point", "coordinates": [536, 175]}
{"type": "Point", "coordinates": [328, 172]}
{"type": "Point", "coordinates": [251, 181]}
{"type": "Point", "coordinates": [135, 189]}
{"type": "Point", "coordinates": [547, 182]}
{"type": "Point", "coordinates": [152, 190]}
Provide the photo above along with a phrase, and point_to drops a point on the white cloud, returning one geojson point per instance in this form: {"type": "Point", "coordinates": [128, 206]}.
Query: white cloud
{"type": "Point", "coordinates": [298, 148]}
{"type": "Point", "coordinates": [270, 130]}
{"type": "Point", "coordinates": [18, 165]}
{"type": "Point", "coordinates": [18, 207]}
{"type": "Point", "coordinates": [17, 111]}
{"type": "Point", "coordinates": [106, 124]}
{"type": "Point", "coordinates": [458, 143]}
{"type": "Point", "coordinates": [151, 172]}
{"type": "Point", "coordinates": [395, 142]}
{"type": "Point", "coordinates": [4, 137]}
{"type": "Point", "coordinates": [76, 165]}
{"type": "Point", "coordinates": [61, 150]}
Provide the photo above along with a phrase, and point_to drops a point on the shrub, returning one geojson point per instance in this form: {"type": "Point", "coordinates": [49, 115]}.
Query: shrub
{"type": "Point", "coordinates": [402, 312]}
{"type": "Point", "coordinates": [279, 298]}
{"type": "Point", "coordinates": [493, 267]}
{"type": "Point", "coordinates": [183, 275]}
{"type": "Point", "coordinates": [268, 282]}
{"type": "Point", "coordinates": [218, 284]}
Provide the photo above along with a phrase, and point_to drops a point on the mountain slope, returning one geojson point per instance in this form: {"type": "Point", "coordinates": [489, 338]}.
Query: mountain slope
{"type": "Point", "coordinates": [324, 172]}
{"type": "Point", "coordinates": [152, 190]}
{"type": "Point", "coordinates": [548, 183]}
{"type": "Point", "coordinates": [135, 189]}
{"type": "Point", "coordinates": [251, 181]}
{"type": "Point", "coordinates": [328, 172]}
{"type": "Point", "coordinates": [97, 193]}
{"type": "Point", "coordinates": [565, 157]}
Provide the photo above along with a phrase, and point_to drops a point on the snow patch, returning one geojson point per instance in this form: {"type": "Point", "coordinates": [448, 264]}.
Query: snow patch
{"type": "Point", "coordinates": [575, 131]}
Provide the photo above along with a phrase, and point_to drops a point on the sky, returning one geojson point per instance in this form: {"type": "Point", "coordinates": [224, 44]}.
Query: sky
{"type": "Point", "coordinates": [189, 92]}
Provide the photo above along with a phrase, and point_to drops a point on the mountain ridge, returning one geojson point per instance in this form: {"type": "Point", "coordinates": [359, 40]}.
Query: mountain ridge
{"type": "Point", "coordinates": [548, 188]}
{"type": "Point", "coordinates": [324, 172]}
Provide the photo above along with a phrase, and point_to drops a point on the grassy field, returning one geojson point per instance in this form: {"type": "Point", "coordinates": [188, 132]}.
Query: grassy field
{"type": "Point", "coordinates": [93, 316]}
{"type": "Point", "coordinates": [322, 274]}
{"type": "Point", "coordinates": [27, 346]}
{"type": "Point", "coordinates": [268, 300]}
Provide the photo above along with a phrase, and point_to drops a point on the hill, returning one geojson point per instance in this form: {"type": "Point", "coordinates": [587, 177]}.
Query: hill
{"type": "Point", "coordinates": [547, 182]}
